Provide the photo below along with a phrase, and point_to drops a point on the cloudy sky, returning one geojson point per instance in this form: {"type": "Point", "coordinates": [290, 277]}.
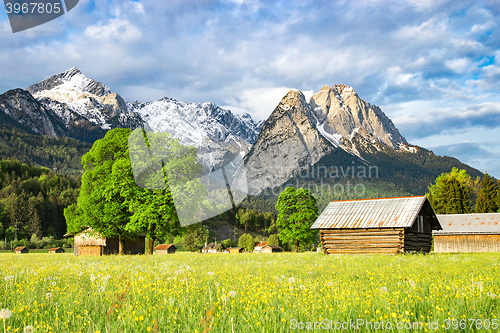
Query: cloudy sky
{"type": "Point", "coordinates": [433, 66]}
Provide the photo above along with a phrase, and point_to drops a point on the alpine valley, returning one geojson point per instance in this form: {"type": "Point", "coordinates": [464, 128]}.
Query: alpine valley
{"type": "Point", "coordinates": [335, 138]}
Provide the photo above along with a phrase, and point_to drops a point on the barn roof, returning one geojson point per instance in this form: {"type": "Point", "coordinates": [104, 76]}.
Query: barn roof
{"type": "Point", "coordinates": [213, 246]}
{"type": "Point", "coordinates": [164, 246]}
{"type": "Point", "coordinates": [372, 213]}
{"type": "Point", "coordinates": [485, 223]}
{"type": "Point", "coordinates": [273, 246]}
{"type": "Point", "coordinates": [20, 248]}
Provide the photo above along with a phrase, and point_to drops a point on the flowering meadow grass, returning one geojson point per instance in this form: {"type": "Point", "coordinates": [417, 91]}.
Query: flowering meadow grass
{"type": "Point", "coordinates": [283, 292]}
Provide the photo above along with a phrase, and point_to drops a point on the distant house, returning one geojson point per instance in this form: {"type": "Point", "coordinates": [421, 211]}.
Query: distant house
{"type": "Point", "coordinates": [88, 243]}
{"type": "Point", "coordinates": [386, 225]}
{"type": "Point", "coordinates": [271, 249]}
{"type": "Point", "coordinates": [468, 233]}
{"type": "Point", "coordinates": [57, 250]}
{"type": "Point", "coordinates": [21, 249]}
{"type": "Point", "coordinates": [258, 246]}
{"type": "Point", "coordinates": [165, 249]}
{"type": "Point", "coordinates": [236, 249]}
{"type": "Point", "coordinates": [212, 248]}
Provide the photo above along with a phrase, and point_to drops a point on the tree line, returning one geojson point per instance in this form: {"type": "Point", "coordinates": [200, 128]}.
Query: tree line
{"type": "Point", "coordinates": [32, 200]}
{"type": "Point", "coordinates": [456, 192]}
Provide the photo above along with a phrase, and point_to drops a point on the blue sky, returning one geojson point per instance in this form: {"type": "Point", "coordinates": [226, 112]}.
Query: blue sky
{"type": "Point", "coordinates": [433, 66]}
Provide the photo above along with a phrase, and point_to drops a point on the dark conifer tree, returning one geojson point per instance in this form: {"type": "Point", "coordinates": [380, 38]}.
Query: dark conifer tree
{"type": "Point", "coordinates": [486, 200]}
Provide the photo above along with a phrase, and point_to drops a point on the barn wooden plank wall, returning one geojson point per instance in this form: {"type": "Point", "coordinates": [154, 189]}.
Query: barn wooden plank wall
{"type": "Point", "coordinates": [383, 241]}
{"type": "Point", "coordinates": [467, 243]}
{"type": "Point", "coordinates": [415, 242]}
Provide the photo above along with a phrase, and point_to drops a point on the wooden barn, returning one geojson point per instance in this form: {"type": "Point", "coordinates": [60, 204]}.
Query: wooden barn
{"type": "Point", "coordinates": [212, 248]}
{"type": "Point", "coordinates": [257, 247]}
{"type": "Point", "coordinates": [386, 225]}
{"type": "Point", "coordinates": [236, 249]}
{"type": "Point", "coordinates": [57, 250]}
{"type": "Point", "coordinates": [271, 249]}
{"type": "Point", "coordinates": [468, 233]}
{"type": "Point", "coordinates": [87, 243]}
{"type": "Point", "coordinates": [165, 249]}
{"type": "Point", "coordinates": [21, 249]}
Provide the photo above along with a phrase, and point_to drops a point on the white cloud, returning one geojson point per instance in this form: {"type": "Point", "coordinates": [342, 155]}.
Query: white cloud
{"type": "Point", "coordinates": [459, 65]}
{"type": "Point", "coordinates": [115, 31]}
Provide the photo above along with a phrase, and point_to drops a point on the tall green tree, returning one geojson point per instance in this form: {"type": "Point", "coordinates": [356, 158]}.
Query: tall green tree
{"type": "Point", "coordinates": [167, 165]}
{"type": "Point", "coordinates": [451, 193]}
{"type": "Point", "coordinates": [297, 212]}
{"type": "Point", "coordinates": [102, 204]}
{"type": "Point", "coordinates": [112, 203]}
{"type": "Point", "coordinates": [487, 198]}
{"type": "Point", "coordinates": [195, 236]}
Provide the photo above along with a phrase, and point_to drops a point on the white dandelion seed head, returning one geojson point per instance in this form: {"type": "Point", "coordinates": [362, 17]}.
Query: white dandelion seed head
{"type": "Point", "coordinates": [383, 289]}
{"type": "Point", "coordinates": [54, 283]}
{"type": "Point", "coordinates": [216, 284]}
{"type": "Point", "coordinates": [291, 280]}
{"type": "Point", "coordinates": [92, 278]}
{"type": "Point", "coordinates": [48, 295]}
{"type": "Point", "coordinates": [29, 329]}
{"type": "Point", "coordinates": [210, 273]}
{"type": "Point", "coordinates": [232, 293]}
{"type": "Point", "coordinates": [101, 289]}
{"type": "Point", "coordinates": [50, 278]}
{"type": "Point", "coordinates": [80, 274]}
{"type": "Point", "coordinates": [5, 314]}
{"type": "Point", "coordinates": [188, 268]}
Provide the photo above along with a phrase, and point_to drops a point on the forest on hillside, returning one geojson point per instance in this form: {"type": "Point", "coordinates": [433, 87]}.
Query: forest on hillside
{"type": "Point", "coordinates": [19, 143]}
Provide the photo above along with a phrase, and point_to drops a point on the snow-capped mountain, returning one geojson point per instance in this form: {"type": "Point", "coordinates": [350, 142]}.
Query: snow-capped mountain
{"type": "Point", "coordinates": [71, 104]}
{"type": "Point", "coordinates": [299, 133]}
{"type": "Point", "coordinates": [213, 130]}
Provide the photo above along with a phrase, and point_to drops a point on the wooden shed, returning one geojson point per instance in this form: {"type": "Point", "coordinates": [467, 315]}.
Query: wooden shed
{"type": "Point", "coordinates": [258, 246]}
{"type": "Point", "coordinates": [57, 250]}
{"type": "Point", "coordinates": [165, 249]}
{"type": "Point", "coordinates": [468, 233]}
{"type": "Point", "coordinates": [21, 249]}
{"type": "Point", "coordinates": [212, 248]}
{"type": "Point", "coordinates": [88, 243]}
{"type": "Point", "coordinates": [385, 225]}
{"type": "Point", "coordinates": [271, 249]}
{"type": "Point", "coordinates": [236, 249]}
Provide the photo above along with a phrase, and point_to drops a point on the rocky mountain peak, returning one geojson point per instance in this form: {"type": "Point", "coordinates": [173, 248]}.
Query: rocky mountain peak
{"type": "Point", "coordinates": [298, 134]}
{"type": "Point", "coordinates": [70, 80]}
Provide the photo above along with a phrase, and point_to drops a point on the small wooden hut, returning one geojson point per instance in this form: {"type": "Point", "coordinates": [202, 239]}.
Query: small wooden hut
{"type": "Point", "coordinates": [271, 249]}
{"type": "Point", "coordinates": [386, 225]}
{"type": "Point", "coordinates": [212, 248]}
{"type": "Point", "coordinates": [468, 233]}
{"type": "Point", "coordinates": [57, 250]}
{"type": "Point", "coordinates": [21, 249]}
{"type": "Point", "coordinates": [258, 246]}
{"type": "Point", "coordinates": [165, 249]}
{"type": "Point", "coordinates": [235, 249]}
{"type": "Point", "coordinates": [88, 242]}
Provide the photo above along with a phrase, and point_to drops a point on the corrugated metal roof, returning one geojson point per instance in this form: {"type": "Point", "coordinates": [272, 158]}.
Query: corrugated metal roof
{"type": "Point", "coordinates": [469, 223]}
{"type": "Point", "coordinates": [370, 213]}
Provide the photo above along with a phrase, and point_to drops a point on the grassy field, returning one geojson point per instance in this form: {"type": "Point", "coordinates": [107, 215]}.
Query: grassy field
{"type": "Point", "coordinates": [193, 292]}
